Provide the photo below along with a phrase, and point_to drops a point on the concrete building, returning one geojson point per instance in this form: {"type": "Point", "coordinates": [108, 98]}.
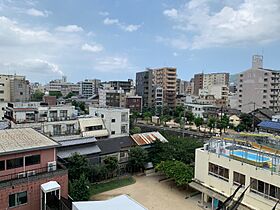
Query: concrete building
{"type": "Point", "coordinates": [126, 86]}
{"type": "Point", "coordinates": [133, 103]}
{"type": "Point", "coordinates": [31, 178]}
{"type": "Point", "coordinates": [258, 88]}
{"type": "Point", "coordinates": [89, 87]}
{"type": "Point", "coordinates": [221, 166]}
{"type": "Point", "coordinates": [111, 98]}
{"type": "Point", "coordinates": [62, 86]}
{"type": "Point", "coordinates": [149, 80]}
{"type": "Point", "coordinates": [202, 110]}
{"type": "Point", "coordinates": [206, 82]}
{"type": "Point", "coordinates": [14, 88]}
{"type": "Point", "coordinates": [116, 119]}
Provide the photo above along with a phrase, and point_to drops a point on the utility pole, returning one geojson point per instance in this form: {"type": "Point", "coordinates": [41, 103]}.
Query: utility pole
{"type": "Point", "coordinates": [221, 120]}
{"type": "Point", "coordinates": [254, 116]}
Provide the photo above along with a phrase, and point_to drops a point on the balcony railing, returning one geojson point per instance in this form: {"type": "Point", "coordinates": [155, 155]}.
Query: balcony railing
{"type": "Point", "coordinates": [30, 173]}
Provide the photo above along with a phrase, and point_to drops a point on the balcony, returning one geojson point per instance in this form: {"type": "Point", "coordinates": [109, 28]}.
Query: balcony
{"type": "Point", "coordinates": [23, 176]}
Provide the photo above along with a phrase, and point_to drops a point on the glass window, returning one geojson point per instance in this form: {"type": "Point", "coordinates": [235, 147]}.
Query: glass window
{"type": "Point", "coordinates": [113, 120]}
{"type": "Point", "coordinates": [2, 165]}
{"type": "Point", "coordinates": [238, 178]}
{"type": "Point", "coordinates": [15, 163]}
{"type": "Point", "coordinates": [17, 199]}
{"type": "Point", "coordinates": [32, 160]}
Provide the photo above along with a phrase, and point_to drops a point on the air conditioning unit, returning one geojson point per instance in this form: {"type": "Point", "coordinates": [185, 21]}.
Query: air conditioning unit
{"type": "Point", "coordinates": [30, 173]}
{"type": "Point", "coordinates": [21, 175]}
{"type": "Point", "coordinates": [51, 166]}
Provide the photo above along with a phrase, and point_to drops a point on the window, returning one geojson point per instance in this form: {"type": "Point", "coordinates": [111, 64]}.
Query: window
{"type": "Point", "coordinates": [113, 132]}
{"type": "Point", "coordinates": [238, 178]}
{"type": "Point", "coordinates": [264, 189]}
{"type": "Point", "coordinates": [113, 120]}
{"type": "Point", "coordinates": [17, 199]}
{"type": "Point", "coordinates": [21, 93]}
{"type": "Point", "coordinates": [2, 165]}
{"type": "Point", "coordinates": [102, 115]}
{"type": "Point", "coordinates": [53, 114]}
{"type": "Point", "coordinates": [63, 113]}
{"type": "Point", "coordinates": [15, 163]}
{"type": "Point", "coordinates": [32, 160]}
{"type": "Point", "coordinates": [70, 129]}
{"type": "Point", "coordinates": [218, 171]}
{"type": "Point", "coordinates": [1, 91]}
{"type": "Point", "coordinates": [94, 128]}
{"type": "Point", "coordinates": [123, 129]}
{"type": "Point", "coordinates": [56, 129]}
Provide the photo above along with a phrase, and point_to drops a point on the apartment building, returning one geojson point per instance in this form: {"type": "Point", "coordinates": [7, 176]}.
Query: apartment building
{"type": "Point", "coordinates": [111, 98]}
{"type": "Point", "coordinates": [258, 88]}
{"type": "Point", "coordinates": [133, 103]}
{"type": "Point", "coordinates": [204, 111]}
{"type": "Point", "coordinates": [116, 120]}
{"type": "Point", "coordinates": [62, 86]}
{"type": "Point", "coordinates": [89, 87]}
{"type": "Point", "coordinates": [126, 86]}
{"type": "Point", "coordinates": [214, 82]}
{"type": "Point", "coordinates": [31, 178]}
{"type": "Point", "coordinates": [221, 166]}
{"type": "Point", "coordinates": [148, 81]}
{"type": "Point", "coordinates": [14, 88]}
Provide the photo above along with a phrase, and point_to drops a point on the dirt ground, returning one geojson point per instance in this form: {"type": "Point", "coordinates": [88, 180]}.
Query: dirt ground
{"type": "Point", "coordinates": [154, 195]}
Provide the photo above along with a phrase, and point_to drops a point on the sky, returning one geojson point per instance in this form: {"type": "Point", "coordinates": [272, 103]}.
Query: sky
{"type": "Point", "coordinates": [114, 39]}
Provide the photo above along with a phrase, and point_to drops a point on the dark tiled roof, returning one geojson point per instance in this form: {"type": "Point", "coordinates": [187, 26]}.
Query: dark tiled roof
{"type": "Point", "coordinates": [263, 114]}
{"type": "Point", "coordinates": [78, 141]}
{"type": "Point", "coordinates": [112, 145]}
{"type": "Point", "coordinates": [270, 125]}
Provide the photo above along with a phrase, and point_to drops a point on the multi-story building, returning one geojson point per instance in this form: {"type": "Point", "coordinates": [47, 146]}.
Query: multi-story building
{"type": "Point", "coordinates": [89, 87]}
{"type": "Point", "coordinates": [111, 98]}
{"type": "Point", "coordinates": [258, 88]}
{"type": "Point", "coordinates": [205, 82]}
{"type": "Point", "coordinates": [148, 81]}
{"type": "Point", "coordinates": [31, 178]}
{"type": "Point", "coordinates": [116, 119]}
{"type": "Point", "coordinates": [126, 86]}
{"type": "Point", "coordinates": [62, 86]}
{"type": "Point", "coordinates": [133, 103]}
{"type": "Point", "coordinates": [14, 88]}
{"type": "Point", "coordinates": [222, 166]}
{"type": "Point", "coordinates": [204, 111]}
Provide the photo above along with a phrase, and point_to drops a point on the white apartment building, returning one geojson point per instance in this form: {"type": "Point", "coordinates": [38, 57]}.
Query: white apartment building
{"type": "Point", "coordinates": [201, 110]}
{"type": "Point", "coordinates": [221, 166]}
{"type": "Point", "coordinates": [116, 119]}
{"type": "Point", "coordinates": [61, 85]}
{"type": "Point", "coordinates": [218, 91]}
{"type": "Point", "coordinates": [89, 87]}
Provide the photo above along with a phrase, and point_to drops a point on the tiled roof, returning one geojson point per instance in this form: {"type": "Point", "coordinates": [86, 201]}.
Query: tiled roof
{"type": "Point", "coordinates": [148, 138]}
{"type": "Point", "coordinates": [112, 145]}
{"type": "Point", "coordinates": [24, 139]}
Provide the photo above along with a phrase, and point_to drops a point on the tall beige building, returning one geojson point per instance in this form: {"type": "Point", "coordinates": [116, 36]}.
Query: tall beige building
{"type": "Point", "coordinates": [258, 88]}
{"type": "Point", "coordinates": [14, 88]}
{"type": "Point", "coordinates": [152, 81]}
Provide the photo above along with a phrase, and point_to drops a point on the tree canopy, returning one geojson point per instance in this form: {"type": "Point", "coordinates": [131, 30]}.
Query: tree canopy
{"type": "Point", "coordinates": [79, 188]}
{"type": "Point", "coordinates": [77, 165]}
{"type": "Point", "coordinates": [177, 170]}
{"type": "Point", "coordinates": [37, 96]}
{"type": "Point", "coordinates": [137, 157]}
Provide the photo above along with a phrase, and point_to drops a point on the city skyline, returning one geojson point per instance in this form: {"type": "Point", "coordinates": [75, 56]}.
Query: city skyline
{"type": "Point", "coordinates": [113, 40]}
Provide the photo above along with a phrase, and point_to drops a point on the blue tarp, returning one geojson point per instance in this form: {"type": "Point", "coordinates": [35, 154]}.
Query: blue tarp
{"type": "Point", "coordinates": [270, 125]}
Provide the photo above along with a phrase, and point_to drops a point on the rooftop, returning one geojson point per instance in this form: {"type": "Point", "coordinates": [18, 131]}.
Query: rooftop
{"type": "Point", "coordinates": [117, 203]}
{"type": "Point", "coordinates": [24, 139]}
{"type": "Point", "coordinates": [112, 145]}
{"type": "Point", "coordinates": [148, 138]}
{"type": "Point", "coordinates": [270, 125]}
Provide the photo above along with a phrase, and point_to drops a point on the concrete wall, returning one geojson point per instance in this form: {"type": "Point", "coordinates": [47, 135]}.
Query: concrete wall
{"type": "Point", "coordinates": [251, 199]}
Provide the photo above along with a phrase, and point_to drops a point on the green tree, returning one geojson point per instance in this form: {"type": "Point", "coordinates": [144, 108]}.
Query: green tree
{"type": "Point", "coordinates": [111, 164]}
{"type": "Point", "coordinates": [37, 96]}
{"type": "Point", "coordinates": [147, 116]}
{"type": "Point", "coordinates": [135, 130]}
{"type": "Point", "coordinates": [79, 188]}
{"type": "Point", "coordinates": [198, 121]}
{"type": "Point", "coordinates": [137, 156]}
{"type": "Point", "coordinates": [246, 121]}
{"type": "Point", "coordinates": [57, 94]}
{"type": "Point", "coordinates": [164, 118]}
{"type": "Point", "coordinates": [190, 117]}
{"type": "Point", "coordinates": [69, 95]}
{"type": "Point", "coordinates": [225, 122]}
{"type": "Point", "coordinates": [77, 165]}
{"type": "Point", "coordinates": [179, 111]}
{"type": "Point", "coordinates": [177, 170]}
{"type": "Point", "coordinates": [211, 123]}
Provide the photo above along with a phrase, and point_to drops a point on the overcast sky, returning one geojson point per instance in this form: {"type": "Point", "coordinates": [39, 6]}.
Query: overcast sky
{"type": "Point", "coordinates": [113, 39]}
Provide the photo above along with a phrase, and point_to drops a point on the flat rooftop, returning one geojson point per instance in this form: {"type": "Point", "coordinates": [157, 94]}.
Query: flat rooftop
{"type": "Point", "coordinates": [23, 139]}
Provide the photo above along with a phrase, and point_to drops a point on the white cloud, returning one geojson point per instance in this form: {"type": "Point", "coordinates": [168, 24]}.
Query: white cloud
{"type": "Point", "coordinates": [123, 26]}
{"type": "Point", "coordinates": [69, 28]}
{"type": "Point", "coordinates": [249, 21]}
{"type": "Point", "coordinates": [113, 64]}
{"type": "Point", "coordinates": [180, 43]}
{"type": "Point", "coordinates": [33, 66]}
{"type": "Point", "coordinates": [103, 13]}
{"type": "Point", "coordinates": [109, 21]}
{"type": "Point", "coordinates": [130, 28]}
{"type": "Point", "coordinates": [173, 13]}
{"type": "Point", "coordinates": [92, 47]}
{"type": "Point", "coordinates": [37, 13]}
